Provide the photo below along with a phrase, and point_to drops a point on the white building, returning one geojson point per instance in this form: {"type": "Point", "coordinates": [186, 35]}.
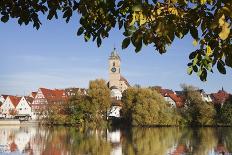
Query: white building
{"type": "Point", "coordinates": [116, 107]}
{"type": "Point", "coordinates": [10, 105]}
{"type": "Point", "coordinates": [115, 93]}
{"type": "Point", "coordinates": [24, 106]}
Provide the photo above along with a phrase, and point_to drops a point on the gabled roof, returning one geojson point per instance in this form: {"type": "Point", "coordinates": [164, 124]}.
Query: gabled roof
{"type": "Point", "coordinates": [54, 95]}
{"type": "Point", "coordinates": [29, 99]}
{"type": "Point", "coordinates": [177, 99]}
{"type": "Point", "coordinates": [220, 97]}
{"type": "Point", "coordinates": [4, 96]}
{"type": "Point", "coordinates": [14, 100]}
{"type": "Point", "coordinates": [33, 94]}
{"type": "Point", "coordinates": [124, 79]}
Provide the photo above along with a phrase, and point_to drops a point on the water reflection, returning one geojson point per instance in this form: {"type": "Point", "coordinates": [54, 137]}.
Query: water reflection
{"type": "Point", "coordinates": [137, 141]}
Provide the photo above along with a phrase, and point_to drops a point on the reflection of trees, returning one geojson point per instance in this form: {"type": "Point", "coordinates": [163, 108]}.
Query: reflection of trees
{"type": "Point", "coordinates": [72, 141]}
{"type": "Point", "coordinates": [148, 141]}
{"type": "Point", "coordinates": [224, 139]}
{"type": "Point", "coordinates": [145, 141]}
{"type": "Point", "coordinates": [201, 141]}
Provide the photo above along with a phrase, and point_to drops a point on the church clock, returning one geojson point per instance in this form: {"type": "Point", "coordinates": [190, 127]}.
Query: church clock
{"type": "Point", "coordinates": [113, 69]}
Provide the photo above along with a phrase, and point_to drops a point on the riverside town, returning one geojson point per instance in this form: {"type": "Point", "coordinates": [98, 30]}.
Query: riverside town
{"type": "Point", "coordinates": [115, 99]}
{"type": "Point", "coordinates": [115, 77]}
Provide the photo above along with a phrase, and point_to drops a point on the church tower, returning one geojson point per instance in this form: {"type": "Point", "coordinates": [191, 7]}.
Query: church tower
{"type": "Point", "coordinates": [114, 69]}
{"type": "Point", "coordinates": [116, 81]}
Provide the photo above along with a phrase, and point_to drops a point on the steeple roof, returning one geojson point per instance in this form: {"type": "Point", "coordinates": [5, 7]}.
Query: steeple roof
{"type": "Point", "coordinates": [114, 55]}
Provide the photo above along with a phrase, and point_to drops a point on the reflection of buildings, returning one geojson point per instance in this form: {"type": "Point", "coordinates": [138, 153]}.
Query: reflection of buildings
{"type": "Point", "coordinates": [115, 138]}
{"type": "Point", "coordinates": [221, 149]}
{"type": "Point", "coordinates": [19, 140]}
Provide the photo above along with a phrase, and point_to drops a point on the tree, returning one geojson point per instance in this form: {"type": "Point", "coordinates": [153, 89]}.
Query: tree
{"type": "Point", "coordinates": [99, 95]}
{"type": "Point", "coordinates": [156, 22]}
{"type": "Point", "coordinates": [197, 112]}
{"type": "Point", "coordinates": [226, 112]}
{"type": "Point", "coordinates": [144, 107]}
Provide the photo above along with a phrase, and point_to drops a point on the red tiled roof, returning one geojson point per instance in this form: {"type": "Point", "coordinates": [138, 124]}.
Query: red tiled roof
{"type": "Point", "coordinates": [33, 94]}
{"type": "Point", "coordinates": [124, 79]}
{"type": "Point", "coordinates": [54, 95]}
{"type": "Point", "coordinates": [14, 100]}
{"type": "Point", "coordinates": [29, 99]}
{"type": "Point", "coordinates": [5, 96]}
{"type": "Point", "coordinates": [165, 92]}
{"type": "Point", "coordinates": [220, 97]}
{"type": "Point", "coordinates": [177, 99]}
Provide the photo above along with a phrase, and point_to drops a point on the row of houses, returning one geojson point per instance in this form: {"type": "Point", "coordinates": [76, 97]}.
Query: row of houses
{"type": "Point", "coordinates": [176, 98]}
{"type": "Point", "coordinates": [33, 104]}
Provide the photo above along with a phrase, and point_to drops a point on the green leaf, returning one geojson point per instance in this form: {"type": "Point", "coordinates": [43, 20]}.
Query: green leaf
{"type": "Point", "coordinates": [5, 18]}
{"type": "Point", "coordinates": [125, 43]}
{"type": "Point", "coordinates": [195, 42]}
{"type": "Point", "coordinates": [194, 33]}
{"type": "Point", "coordinates": [120, 24]}
{"type": "Point", "coordinates": [87, 36]}
{"type": "Point", "coordinates": [80, 31]}
{"type": "Point", "coordinates": [99, 41]}
{"type": "Point", "coordinates": [221, 67]}
{"type": "Point", "coordinates": [190, 70]}
{"type": "Point", "coordinates": [203, 75]}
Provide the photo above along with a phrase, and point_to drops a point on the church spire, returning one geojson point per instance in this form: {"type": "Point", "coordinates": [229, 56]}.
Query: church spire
{"type": "Point", "coordinates": [114, 54]}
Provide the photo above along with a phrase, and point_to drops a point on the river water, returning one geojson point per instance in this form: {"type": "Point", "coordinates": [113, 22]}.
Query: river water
{"type": "Point", "coordinates": [19, 140]}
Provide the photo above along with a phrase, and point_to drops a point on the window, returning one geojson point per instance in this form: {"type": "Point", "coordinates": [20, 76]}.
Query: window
{"type": "Point", "coordinates": [113, 63]}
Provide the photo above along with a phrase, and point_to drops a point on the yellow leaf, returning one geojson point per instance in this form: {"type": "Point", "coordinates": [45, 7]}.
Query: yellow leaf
{"type": "Point", "coordinates": [225, 31]}
{"type": "Point", "coordinates": [222, 20]}
{"type": "Point", "coordinates": [195, 42]}
{"type": "Point", "coordinates": [133, 19]}
{"type": "Point", "coordinates": [203, 2]}
{"type": "Point", "coordinates": [208, 50]}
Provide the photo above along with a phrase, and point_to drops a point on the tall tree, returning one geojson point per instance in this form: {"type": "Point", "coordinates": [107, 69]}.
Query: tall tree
{"type": "Point", "coordinates": [144, 107]}
{"type": "Point", "coordinates": [226, 112]}
{"type": "Point", "coordinates": [99, 95]}
{"type": "Point", "coordinates": [144, 22]}
{"type": "Point", "coordinates": [196, 111]}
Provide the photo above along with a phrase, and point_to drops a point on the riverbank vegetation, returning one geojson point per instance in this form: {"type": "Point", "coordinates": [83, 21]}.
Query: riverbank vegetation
{"type": "Point", "coordinates": [140, 107]}
{"type": "Point", "coordinates": [82, 109]}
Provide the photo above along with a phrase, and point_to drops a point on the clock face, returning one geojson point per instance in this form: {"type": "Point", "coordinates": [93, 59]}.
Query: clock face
{"type": "Point", "coordinates": [113, 69]}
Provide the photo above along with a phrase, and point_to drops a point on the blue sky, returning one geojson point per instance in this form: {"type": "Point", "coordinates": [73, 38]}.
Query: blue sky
{"type": "Point", "coordinates": [54, 57]}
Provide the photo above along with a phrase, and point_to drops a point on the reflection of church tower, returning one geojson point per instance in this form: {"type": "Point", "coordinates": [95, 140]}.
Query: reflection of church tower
{"type": "Point", "coordinates": [115, 78]}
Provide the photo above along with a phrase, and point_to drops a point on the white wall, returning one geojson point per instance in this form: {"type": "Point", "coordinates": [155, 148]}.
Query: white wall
{"type": "Point", "coordinates": [7, 105]}
{"type": "Point", "coordinates": [23, 107]}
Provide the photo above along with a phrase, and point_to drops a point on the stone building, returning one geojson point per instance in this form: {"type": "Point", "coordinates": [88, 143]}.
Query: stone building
{"type": "Point", "coordinates": [115, 77]}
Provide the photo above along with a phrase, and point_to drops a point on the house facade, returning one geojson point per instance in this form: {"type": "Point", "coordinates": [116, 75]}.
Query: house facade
{"type": "Point", "coordinates": [24, 106]}
{"type": "Point", "coordinates": [44, 98]}
{"type": "Point", "coordinates": [8, 108]}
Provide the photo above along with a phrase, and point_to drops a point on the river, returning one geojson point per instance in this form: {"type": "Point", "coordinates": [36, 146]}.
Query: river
{"type": "Point", "coordinates": [32, 140]}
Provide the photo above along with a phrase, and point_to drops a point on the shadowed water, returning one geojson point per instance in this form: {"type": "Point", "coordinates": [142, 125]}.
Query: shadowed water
{"type": "Point", "coordinates": [137, 141]}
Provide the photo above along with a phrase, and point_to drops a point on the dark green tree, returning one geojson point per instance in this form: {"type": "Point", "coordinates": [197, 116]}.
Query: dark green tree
{"type": "Point", "coordinates": [156, 22]}
{"type": "Point", "coordinates": [226, 112]}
